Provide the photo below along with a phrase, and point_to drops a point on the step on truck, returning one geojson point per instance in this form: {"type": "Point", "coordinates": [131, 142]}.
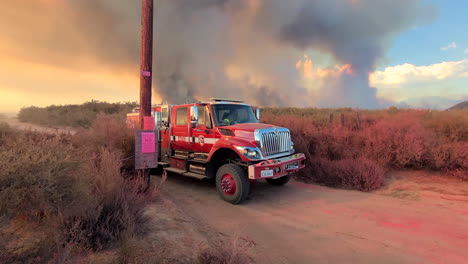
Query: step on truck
{"type": "Point", "coordinates": [223, 140]}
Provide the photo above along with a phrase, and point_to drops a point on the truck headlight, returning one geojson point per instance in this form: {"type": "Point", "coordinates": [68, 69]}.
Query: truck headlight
{"type": "Point", "coordinates": [292, 148]}
{"type": "Point", "coordinates": [250, 153]}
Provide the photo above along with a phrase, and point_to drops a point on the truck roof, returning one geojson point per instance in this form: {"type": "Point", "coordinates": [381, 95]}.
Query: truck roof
{"type": "Point", "coordinates": [225, 100]}
{"type": "Point", "coordinates": [212, 101]}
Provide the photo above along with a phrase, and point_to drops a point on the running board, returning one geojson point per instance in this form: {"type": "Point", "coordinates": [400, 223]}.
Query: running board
{"type": "Point", "coordinates": [163, 164]}
{"type": "Point", "coordinates": [185, 173]}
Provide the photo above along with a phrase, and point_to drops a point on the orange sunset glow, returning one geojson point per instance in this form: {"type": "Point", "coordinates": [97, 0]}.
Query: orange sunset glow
{"type": "Point", "coordinates": [44, 61]}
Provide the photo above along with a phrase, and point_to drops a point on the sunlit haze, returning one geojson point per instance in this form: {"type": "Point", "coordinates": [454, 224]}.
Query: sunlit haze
{"type": "Point", "coordinates": [359, 53]}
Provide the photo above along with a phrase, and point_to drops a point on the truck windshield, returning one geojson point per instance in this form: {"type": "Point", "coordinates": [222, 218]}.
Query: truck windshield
{"type": "Point", "coordinates": [231, 114]}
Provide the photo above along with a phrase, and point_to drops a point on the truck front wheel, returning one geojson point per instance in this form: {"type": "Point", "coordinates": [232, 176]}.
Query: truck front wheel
{"type": "Point", "coordinates": [232, 183]}
{"type": "Point", "coordinates": [279, 181]}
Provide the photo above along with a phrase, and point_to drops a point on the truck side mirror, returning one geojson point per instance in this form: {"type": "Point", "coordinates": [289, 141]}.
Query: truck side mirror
{"type": "Point", "coordinates": [257, 113]}
{"type": "Point", "coordinates": [194, 116]}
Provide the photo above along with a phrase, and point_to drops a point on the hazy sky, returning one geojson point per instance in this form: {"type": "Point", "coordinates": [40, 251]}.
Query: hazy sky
{"type": "Point", "coordinates": [45, 59]}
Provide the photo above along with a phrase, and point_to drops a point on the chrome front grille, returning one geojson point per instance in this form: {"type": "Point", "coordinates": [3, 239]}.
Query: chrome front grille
{"type": "Point", "coordinates": [273, 141]}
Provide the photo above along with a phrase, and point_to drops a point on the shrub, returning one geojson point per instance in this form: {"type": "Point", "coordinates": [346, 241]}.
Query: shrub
{"type": "Point", "coordinates": [359, 174]}
{"type": "Point", "coordinates": [37, 174]}
{"type": "Point", "coordinates": [399, 142]}
{"type": "Point", "coordinates": [39, 183]}
{"type": "Point", "coordinates": [62, 196]}
{"type": "Point", "coordinates": [109, 132]}
{"type": "Point", "coordinates": [449, 124]}
{"type": "Point", "coordinates": [119, 204]}
{"type": "Point", "coordinates": [72, 115]}
{"type": "Point", "coordinates": [392, 139]}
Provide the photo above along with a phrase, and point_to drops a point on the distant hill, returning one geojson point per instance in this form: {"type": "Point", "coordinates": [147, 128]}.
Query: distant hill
{"type": "Point", "coordinates": [428, 102]}
{"type": "Point", "coordinates": [462, 105]}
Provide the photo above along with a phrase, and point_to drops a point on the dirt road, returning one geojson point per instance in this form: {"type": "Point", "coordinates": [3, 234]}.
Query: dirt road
{"type": "Point", "coordinates": [15, 123]}
{"type": "Point", "coordinates": [301, 223]}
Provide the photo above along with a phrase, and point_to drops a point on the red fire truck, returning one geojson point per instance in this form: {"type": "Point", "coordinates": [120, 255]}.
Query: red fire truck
{"type": "Point", "coordinates": [224, 141]}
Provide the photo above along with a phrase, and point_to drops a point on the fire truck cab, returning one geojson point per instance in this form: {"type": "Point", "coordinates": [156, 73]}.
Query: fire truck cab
{"type": "Point", "coordinates": [223, 140]}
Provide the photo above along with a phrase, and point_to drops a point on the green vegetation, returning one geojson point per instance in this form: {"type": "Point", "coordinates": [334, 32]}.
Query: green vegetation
{"type": "Point", "coordinates": [72, 115]}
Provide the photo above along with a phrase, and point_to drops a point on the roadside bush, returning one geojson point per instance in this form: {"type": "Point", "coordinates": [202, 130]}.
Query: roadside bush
{"type": "Point", "coordinates": [358, 174]}
{"type": "Point", "coordinates": [109, 132]}
{"type": "Point", "coordinates": [118, 204]}
{"type": "Point", "coordinates": [391, 139]}
{"type": "Point", "coordinates": [452, 124]}
{"type": "Point", "coordinates": [37, 174]}
{"type": "Point", "coordinates": [39, 184]}
{"type": "Point", "coordinates": [399, 142]}
{"type": "Point", "coordinates": [59, 198]}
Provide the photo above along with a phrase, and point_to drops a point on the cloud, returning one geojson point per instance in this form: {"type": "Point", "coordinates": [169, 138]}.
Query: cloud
{"type": "Point", "coordinates": [452, 45]}
{"type": "Point", "coordinates": [466, 51]}
{"type": "Point", "coordinates": [407, 73]}
{"type": "Point", "coordinates": [411, 84]}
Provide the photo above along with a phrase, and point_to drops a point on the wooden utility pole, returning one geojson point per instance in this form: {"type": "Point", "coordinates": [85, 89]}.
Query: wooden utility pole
{"type": "Point", "coordinates": [146, 59]}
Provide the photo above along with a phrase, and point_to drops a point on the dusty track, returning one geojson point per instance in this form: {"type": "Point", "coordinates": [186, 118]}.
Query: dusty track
{"type": "Point", "coordinates": [301, 223]}
{"type": "Point", "coordinates": [15, 123]}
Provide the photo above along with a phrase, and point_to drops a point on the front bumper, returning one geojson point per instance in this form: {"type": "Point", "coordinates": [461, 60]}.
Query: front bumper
{"type": "Point", "coordinates": [276, 168]}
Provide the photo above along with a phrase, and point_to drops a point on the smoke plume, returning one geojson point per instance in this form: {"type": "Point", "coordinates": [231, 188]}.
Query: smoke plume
{"type": "Point", "coordinates": [247, 49]}
{"type": "Point", "coordinates": [244, 49]}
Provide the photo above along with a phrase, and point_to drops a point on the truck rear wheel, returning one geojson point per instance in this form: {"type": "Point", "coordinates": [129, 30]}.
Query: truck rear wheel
{"type": "Point", "coordinates": [279, 181]}
{"type": "Point", "coordinates": [232, 183]}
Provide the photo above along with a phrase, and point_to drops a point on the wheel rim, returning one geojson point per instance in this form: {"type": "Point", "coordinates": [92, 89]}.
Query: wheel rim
{"type": "Point", "coordinates": [228, 184]}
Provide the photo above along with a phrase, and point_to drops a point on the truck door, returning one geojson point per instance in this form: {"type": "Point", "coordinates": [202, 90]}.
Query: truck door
{"type": "Point", "coordinates": [163, 125]}
{"type": "Point", "coordinates": [180, 128]}
{"type": "Point", "coordinates": [203, 134]}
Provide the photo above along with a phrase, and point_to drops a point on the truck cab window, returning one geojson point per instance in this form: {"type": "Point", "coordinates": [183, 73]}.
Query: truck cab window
{"type": "Point", "coordinates": [231, 114]}
{"type": "Point", "coordinates": [204, 117]}
{"type": "Point", "coordinates": [201, 116]}
{"type": "Point", "coordinates": [181, 116]}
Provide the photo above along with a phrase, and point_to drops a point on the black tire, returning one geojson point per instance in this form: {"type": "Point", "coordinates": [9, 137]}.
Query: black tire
{"type": "Point", "coordinates": [241, 183]}
{"type": "Point", "coordinates": [279, 181]}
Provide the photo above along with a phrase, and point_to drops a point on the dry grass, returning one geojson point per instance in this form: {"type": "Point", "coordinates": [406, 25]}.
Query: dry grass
{"type": "Point", "coordinates": [108, 132]}
{"type": "Point", "coordinates": [392, 139]}
{"type": "Point", "coordinates": [423, 185]}
{"type": "Point", "coordinates": [236, 251]}
{"type": "Point", "coordinates": [359, 174]}
{"type": "Point", "coordinates": [62, 195]}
